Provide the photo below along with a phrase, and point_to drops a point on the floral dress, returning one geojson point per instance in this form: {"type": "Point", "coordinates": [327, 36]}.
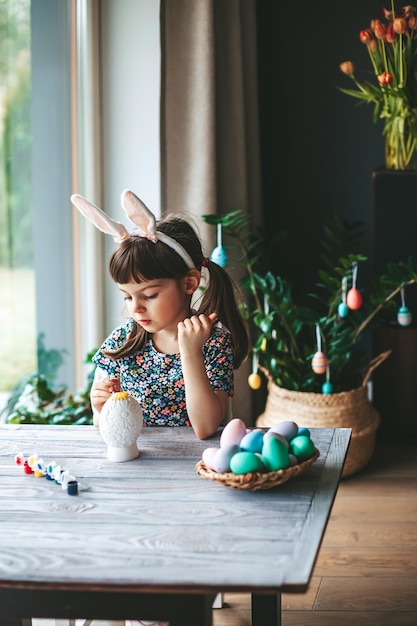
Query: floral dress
{"type": "Point", "coordinates": [156, 379]}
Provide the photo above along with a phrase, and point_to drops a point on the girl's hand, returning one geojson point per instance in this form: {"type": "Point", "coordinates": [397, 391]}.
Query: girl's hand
{"type": "Point", "coordinates": [101, 390]}
{"type": "Point", "coordinates": [193, 332]}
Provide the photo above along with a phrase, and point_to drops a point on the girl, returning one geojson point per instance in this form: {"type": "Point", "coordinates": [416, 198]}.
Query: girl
{"type": "Point", "coordinates": [175, 356]}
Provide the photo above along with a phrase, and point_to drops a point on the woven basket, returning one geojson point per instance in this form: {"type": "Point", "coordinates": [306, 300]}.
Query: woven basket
{"type": "Point", "coordinates": [348, 409]}
{"type": "Point", "coordinates": [256, 481]}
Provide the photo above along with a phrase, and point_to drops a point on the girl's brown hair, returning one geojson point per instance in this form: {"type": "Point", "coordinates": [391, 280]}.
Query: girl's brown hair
{"type": "Point", "coordinates": [137, 259]}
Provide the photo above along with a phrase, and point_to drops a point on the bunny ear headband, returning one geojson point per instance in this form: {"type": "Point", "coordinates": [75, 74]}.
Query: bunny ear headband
{"type": "Point", "coordinates": [138, 213]}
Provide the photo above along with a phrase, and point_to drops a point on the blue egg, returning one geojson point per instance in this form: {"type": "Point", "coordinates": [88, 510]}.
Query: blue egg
{"type": "Point", "coordinates": [252, 441]}
{"type": "Point", "coordinates": [304, 431]}
{"type": "Point", "coordinates": [343, 310]}
{"type": "Point", "coordinates": [219, 256]}
{"type": "Point", "coordinates": [327, 388]}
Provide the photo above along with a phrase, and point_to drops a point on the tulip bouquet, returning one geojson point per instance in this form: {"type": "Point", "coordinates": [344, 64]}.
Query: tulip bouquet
{"type": "Point", "coordinates": [391, 44]}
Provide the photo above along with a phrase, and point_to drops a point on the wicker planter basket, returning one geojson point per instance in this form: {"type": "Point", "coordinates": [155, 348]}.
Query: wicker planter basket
{"type": "Point", "coordinates": [348, 409]}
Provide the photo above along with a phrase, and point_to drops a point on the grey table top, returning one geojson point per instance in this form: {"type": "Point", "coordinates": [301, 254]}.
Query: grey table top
{"type": "Point", "coordinates": [153, 524]}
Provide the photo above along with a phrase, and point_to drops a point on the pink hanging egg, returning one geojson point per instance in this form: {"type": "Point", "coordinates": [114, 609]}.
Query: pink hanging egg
{"type": "Point", "coordinates": [319, 363]}
{"type": "Point", "coordinates": [354, 299]}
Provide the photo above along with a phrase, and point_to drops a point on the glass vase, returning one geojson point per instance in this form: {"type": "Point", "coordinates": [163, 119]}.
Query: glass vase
{"type": "Point", "coordinates": [400, 144]}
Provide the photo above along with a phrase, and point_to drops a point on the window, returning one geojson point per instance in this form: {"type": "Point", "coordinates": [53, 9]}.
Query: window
{"type": "Point", "coordinates": [17, 277]}
{"type": "Point", "coordinates": [91, 131]}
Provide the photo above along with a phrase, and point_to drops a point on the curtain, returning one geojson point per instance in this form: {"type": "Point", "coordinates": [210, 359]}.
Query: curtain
{"type": "Point", "coordinates": [209, 122]}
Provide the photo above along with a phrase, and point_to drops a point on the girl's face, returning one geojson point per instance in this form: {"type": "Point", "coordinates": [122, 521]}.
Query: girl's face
{"type": "Point", "coordinates": [161, 303]}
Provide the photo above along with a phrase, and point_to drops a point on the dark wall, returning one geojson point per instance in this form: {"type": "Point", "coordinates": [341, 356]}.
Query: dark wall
{"type": "Point", "coordinates": [318, 147]}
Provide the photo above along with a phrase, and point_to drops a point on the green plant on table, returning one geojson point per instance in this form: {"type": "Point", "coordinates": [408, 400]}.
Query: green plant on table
{"type": "Point", "coordinates": [285, 332]}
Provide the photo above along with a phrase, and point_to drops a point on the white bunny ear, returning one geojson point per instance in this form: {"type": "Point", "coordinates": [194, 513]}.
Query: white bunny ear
{"type": "Point", "coordinates": [138, 213]}
{"type": "Point", "coordinates": [102, 221]}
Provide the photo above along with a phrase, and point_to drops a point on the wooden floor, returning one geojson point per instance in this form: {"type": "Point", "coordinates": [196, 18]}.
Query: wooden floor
{"type": "Point", "coordinates": [366, 572]}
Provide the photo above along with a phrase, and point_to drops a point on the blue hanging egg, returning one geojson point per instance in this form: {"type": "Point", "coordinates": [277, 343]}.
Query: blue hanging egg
{"type": "Point", "coordinates": [404, 316]}
{"type": "Point", "coordinates": [343, 310]}
{"type": "Point", "coordinates": [327, 387]}
{"type": "Point", "coordinates": [219, 256]}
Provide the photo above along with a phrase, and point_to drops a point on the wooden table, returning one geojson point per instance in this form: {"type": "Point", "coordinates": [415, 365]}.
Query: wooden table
{"type": "Point", "coordinates": [150, 538]}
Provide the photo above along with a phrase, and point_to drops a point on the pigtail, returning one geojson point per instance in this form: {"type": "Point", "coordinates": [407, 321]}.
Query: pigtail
{"type": "Point", "coordinates": [221, 295]}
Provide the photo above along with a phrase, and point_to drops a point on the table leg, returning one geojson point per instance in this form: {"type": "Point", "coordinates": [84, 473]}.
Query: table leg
{"type": "Point", "coordinates": [266, 610]}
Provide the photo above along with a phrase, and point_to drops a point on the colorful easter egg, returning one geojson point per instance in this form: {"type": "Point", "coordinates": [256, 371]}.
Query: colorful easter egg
{"type": "Point", "coordinates": [287, 428]}
{"type": "Point", "coordinates": [244, 462]}
{"type": "Point", "coordinates": [327, 387]}
{"type": "Point", "coordinates": [233, 432]}
{"type": "Point", "coordinates": [302, 447]}
{"type": "Point", "coordinates": [354, 299]}
{"type": "Point", "coordinates": [319, 363]}
{"type": "Point", "coordinates": [252, 441]}
{"type": "Point", "coordinates": [254, 381]}
{"type": "Point", "coordinates": [208, 456]}
{"type": "Point", "coordinates": [223, 456]}
{"type": "Point", "coordinates": [271, 433]}
{"type": "Point", "coordinates": [219, 256]}
{"type": "Point", "coordinates": [404, 316]}
{"type": "Point", "coordinates": [343, 310]}
{"type": "Point", "coordinates": [275, 455]}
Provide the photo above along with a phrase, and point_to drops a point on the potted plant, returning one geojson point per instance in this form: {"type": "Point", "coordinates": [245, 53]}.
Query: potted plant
{"type": "Point", "coordinates": [391, 43]}
{"type": "Point", "coordinates": [312, 350]}
{"type": "Point", "coordinates": [35, 398]}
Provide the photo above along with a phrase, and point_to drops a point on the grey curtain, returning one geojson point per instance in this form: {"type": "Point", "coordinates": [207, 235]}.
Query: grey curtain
{"type": "Point", "coordinates": [209, 121]}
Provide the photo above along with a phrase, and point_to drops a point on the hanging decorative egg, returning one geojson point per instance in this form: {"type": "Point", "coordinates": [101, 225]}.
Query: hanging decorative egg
{"type": "Point", "coordinates": [254, 381]}
{"type": "Point", "coordinates": [327, 388]}
{"type": "Point", "coordinates": [219, 256]}
{"type": "Point", "coordinates": [274, 364]}
{"type": "Point", "coordinates": [404, 316]}
{"type": "Point", "coordinates": [265, 325]}
{"type": "Point", "coordinates": [343, 310]}
{"type": "Point", "coordinates": [354, 299]}
{"type": "Point", "coordinates": [319, 363]}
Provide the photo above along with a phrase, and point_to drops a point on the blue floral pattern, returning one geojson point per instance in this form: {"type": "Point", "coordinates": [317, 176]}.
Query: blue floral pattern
{"type": "Point", "coordinates": [156, 379]}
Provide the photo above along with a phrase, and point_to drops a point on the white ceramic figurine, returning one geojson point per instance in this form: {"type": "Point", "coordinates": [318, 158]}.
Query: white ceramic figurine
{"type": "Point", "coordinates": [120, 425]}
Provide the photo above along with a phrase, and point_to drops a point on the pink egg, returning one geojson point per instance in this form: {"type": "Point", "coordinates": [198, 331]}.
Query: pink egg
{"type": "Point", "coordinates": [354, 299]}
{"type": "Point", "coordinates": [233, 432]}
{"type": "Point", "coordinates": [208, 456]}
{"type": "Point", "coordinates": [319, 363]}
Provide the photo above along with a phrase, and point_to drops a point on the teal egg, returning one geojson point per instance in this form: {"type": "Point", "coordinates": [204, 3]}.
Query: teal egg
{"type": "Point", "coordinates": [252, 441]}
{"type": "Point", "coordinates": [302, 447]}
{"type": "Point", "coordinates": [219, 256]}
{"type": "Point", "coordinates": [327, 388]}
{"type": "Point", "coordinates": [404, 316]}
{"type": "Point", "coordinates": [244, 462]}
{"type": "Point", "coordinates": [275, 455]}
{"type": "Point", "coordinates": [303, 431]}
{"type": "Point", "coordinates": [343, 310]}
